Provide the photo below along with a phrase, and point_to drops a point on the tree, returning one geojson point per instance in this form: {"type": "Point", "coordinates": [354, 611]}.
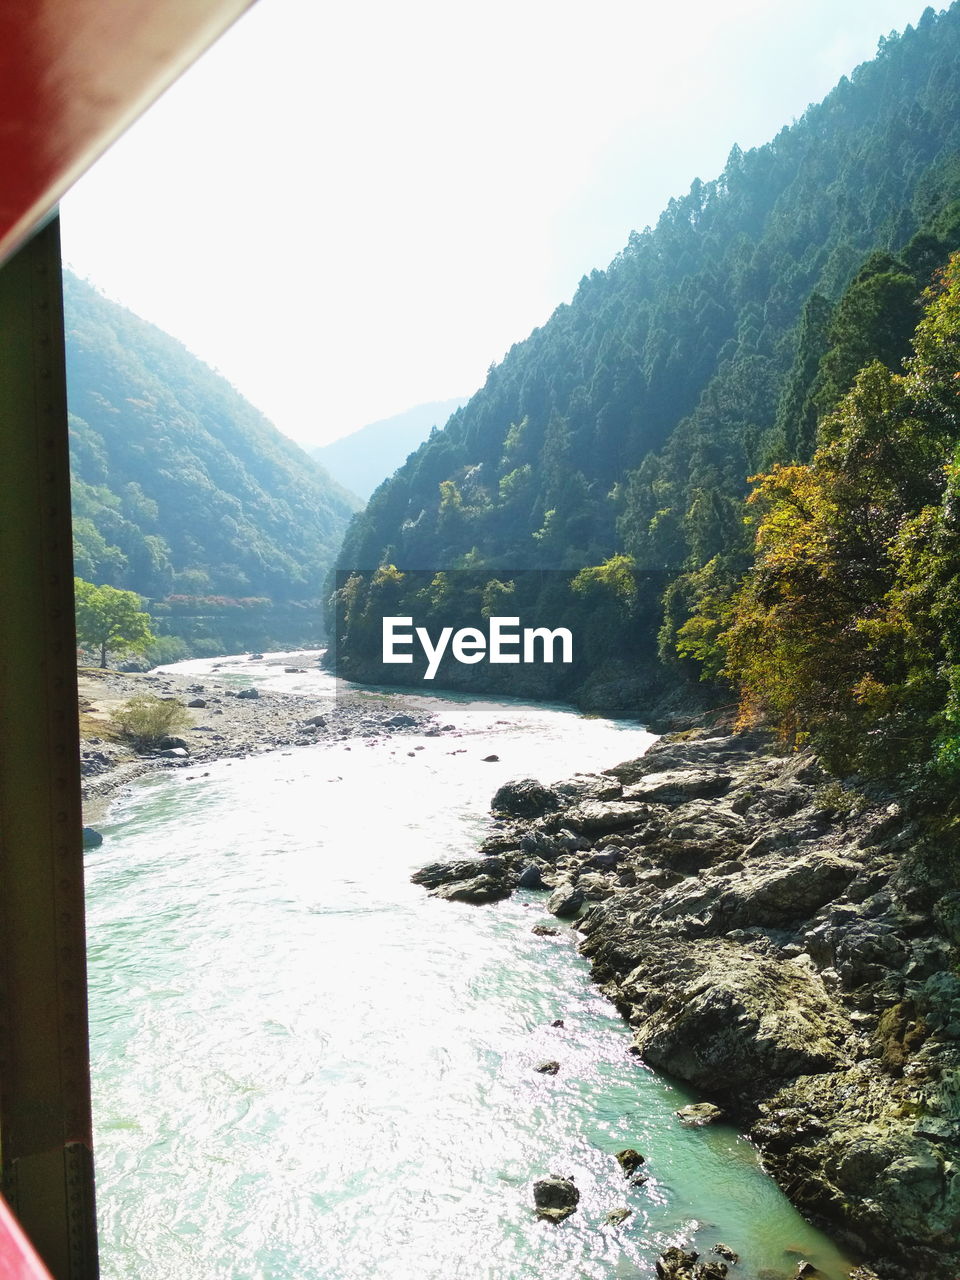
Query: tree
{"type": "Point", "coordinates": [110, 620]}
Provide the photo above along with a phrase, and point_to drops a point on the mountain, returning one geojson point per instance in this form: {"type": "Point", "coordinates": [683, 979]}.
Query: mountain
{"type": "Point", "coordinates": [366, 457]}
{"type": "Point", "coordinates": [618, 438]}
{"type": "Point", "coordinates": [183, 491]}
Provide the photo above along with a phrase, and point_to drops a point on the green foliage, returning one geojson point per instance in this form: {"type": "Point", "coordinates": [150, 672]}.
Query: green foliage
{"type": "Point", "coordinates": [146, 720]}
{"type": "Point", "coordinates": [179, 484]}
{"type": "Point", "coordinates": [614, 579]}
{"type": "Point", "coordinates": [164, 650]}
{"type": "Point", "coordinates": [710, 349]}
{"type": "Point", "coordinates": [110, 620]}
{"type": "Point", "coordinates": [847, 629]}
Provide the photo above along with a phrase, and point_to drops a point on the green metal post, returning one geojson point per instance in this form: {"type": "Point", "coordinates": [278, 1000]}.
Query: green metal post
{"type": "Point", "coordinates": [46, 1151]}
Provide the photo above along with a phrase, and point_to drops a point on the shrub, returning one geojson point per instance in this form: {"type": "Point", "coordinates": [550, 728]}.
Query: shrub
{"type": "Point", "coordinates": [146, 719]}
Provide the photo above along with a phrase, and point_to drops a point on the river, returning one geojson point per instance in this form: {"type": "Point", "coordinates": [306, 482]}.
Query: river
{"type": "Point", "coordinates": [305, 1067]}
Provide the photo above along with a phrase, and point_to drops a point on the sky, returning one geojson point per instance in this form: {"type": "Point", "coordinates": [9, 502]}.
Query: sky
{"type": "Point", "coordinates": [351, 209]}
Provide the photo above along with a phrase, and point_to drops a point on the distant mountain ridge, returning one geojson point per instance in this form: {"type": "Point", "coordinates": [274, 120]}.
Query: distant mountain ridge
{"type": "Point", "coordinates": [364, 459]}
{"type": "Point", "coordinates": [180, 486]}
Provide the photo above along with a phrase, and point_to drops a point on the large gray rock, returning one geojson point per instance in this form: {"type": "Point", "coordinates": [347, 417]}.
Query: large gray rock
{"type": "Point", "coordinates": [438, 873]}
{"type": "Point", "coordinates": [478, 890]}
{"type": "Point", "coordinates": [596, 817]}
{"type": "Point", "coordinates": [566, 900]}
{"type": "Point", "coordinates": [728, 1020]}
{"type": "Point", "coordinates": [698, 1114]}
{"type": "Point", "coordinates": [531, 878]}
{"type": "Point", "coordinates": [588, 786]}
{"type": "Point", "coordinates": [524, 798]}
{"type": "Point", "coordinates": [677, 786]}
{"type": "Point", "coordinates": [788, 889]}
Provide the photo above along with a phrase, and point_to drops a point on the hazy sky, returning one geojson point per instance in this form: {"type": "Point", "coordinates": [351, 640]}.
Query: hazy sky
{"type": "Point", "coordinates": [350, 209]}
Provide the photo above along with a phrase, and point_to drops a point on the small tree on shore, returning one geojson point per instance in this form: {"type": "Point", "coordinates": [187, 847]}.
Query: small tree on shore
{"type": "Point", "coordinates": [110, 620]}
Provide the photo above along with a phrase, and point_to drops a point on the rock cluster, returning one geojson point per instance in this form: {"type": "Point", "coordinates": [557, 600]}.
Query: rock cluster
{"type": "Point", "coordinates": [785, 943]}
{"type": "Point", "coordinates": [232, 723]}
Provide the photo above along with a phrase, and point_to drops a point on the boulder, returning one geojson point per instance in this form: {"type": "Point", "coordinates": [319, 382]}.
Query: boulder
{"type": "Point", "coordinates": [478, 890]}
{"type": "Point", "coordinates": [566, 900]}
{"type": "Point", "coordinates": [548, 1068]}
{"type": "Point", "coordinates": [438, 873]}
{"type": "Point", "coordinates": [677, 786]}
{"type": "Point", "coordinates": [555, 1198]}
{"type": "Point", "coordinates": [630, 1160]}
{"type": "Point", "coordinates": [401, 721]}
{"type": "Point", "coordinates": [169, 744]}
{"type": "Point", "coordinates": [597, 817]}
{"type": "Point", "coordinates": [524, 798]}
{"type": "Point", "coordinates": [697, 1114]}
{"type": "Point", "coordinates": [530, 878]}
{"type": "Point", "coordinates": [248, 693]}
{"type": "Point", "coordinates": [91, 839]}
{"type": "Point", "coordinates": [725, 1252]}
{"type": "Point", "coordinates": [588, 786]}
{"type": "Point", "coordinates": [616, 1216]}
{"type": "Point", "coordinates": [728, 1019]}
{"type": "Point", "coordinates": [785, 891]}
{"type": "Point", "coordinates": [174, 753]}
{"type": "Point", "coordinates": [197, 702]}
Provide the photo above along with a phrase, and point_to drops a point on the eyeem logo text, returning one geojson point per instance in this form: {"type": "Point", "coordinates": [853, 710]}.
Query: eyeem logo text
{"type": "Point", "coordinates": [503, 643]}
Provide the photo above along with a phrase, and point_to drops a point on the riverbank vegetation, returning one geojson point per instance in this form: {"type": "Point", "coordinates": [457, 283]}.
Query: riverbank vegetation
{"type": "Point", "coordinates": [845, 629]}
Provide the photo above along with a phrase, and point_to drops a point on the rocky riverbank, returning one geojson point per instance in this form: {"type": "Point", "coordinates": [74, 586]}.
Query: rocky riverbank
{"type": "Point", "coordinates": [786, 944]}
{"type": "Point", "coordinates": [229, 720]}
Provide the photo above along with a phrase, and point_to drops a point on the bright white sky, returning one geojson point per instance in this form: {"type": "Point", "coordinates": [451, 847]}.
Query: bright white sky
{"type": "Point", "coordinates": [352, 208]}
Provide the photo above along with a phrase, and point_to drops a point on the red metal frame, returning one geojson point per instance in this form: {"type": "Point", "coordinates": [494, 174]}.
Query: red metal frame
{"type": "Point", "coordinates": [18, 1260]}
{"type": "Point", "coordinates": [73, 75]}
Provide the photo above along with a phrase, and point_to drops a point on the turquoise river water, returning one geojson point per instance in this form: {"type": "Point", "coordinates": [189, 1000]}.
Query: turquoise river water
{"type": "Point", "coordinates": [305, 1067]}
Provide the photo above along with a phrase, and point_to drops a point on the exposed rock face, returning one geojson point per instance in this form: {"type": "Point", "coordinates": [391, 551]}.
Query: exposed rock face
{"type": "Point", "coordinates": [707, 1014]}
{"type": "Point", "coordinates": [787, 945]}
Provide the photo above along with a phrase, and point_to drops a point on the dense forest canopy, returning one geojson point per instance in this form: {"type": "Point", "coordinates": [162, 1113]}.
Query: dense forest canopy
{"type": "Point", "coordinates": [181, 488]}
{"type": "Point", "coordinates": [709, 350]}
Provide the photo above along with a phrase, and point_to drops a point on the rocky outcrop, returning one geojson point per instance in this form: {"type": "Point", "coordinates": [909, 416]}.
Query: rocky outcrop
{"type": "Point", "coordinates": [474, 880]}
{"type": "Point", "coordinates": [786, 944]}
{"type": "Point", "coordinates": [525, 798]}
{"type": "Point", "coordinates": [555, 1198]}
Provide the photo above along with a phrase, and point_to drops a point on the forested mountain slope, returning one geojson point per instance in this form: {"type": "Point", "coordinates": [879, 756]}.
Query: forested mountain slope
{"type": "Point", "coordinates": [180, 486]}
{"type": "Point", "coordinates": [630, 422]}
{"type": "Point", "coordinates": [366, 457]}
